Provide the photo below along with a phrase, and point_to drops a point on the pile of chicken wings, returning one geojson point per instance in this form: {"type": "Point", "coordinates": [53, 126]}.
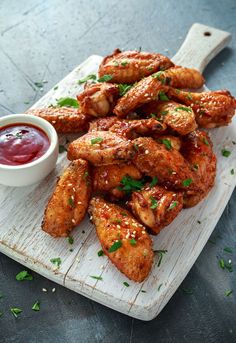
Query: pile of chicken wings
{"type": "Point", "coordinates": [143, 157]}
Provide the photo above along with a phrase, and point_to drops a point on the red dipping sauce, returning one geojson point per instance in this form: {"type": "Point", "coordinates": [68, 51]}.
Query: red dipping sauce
{"type": "Point", "coordinates": [22, 143]}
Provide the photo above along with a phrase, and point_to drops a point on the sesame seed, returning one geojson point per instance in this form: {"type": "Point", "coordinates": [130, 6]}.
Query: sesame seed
{"type": "Point", "coordinates": [143, 232]}
{"type": "Point", "coordinates": [44, 290]}
{"type": "Point", "coordinates": [118, 226]}
{"type": "Point", "coordinates": [53, 290]}
{"type": "Point", "coordinates": [73, 220]}
{"type": "Point", "coordinates": [146, 152]}
{"type": "Point", "coordinates": [73, 189]}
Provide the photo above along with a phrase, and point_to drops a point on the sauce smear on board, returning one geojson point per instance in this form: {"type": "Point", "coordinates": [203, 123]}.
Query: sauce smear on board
{"type": "Point", "coordinates": [22, 143]}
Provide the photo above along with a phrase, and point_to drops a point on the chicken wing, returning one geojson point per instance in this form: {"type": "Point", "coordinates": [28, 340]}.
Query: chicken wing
{"type": "Point", "coordinates": [101, 147]}
{"type": "Point", "coordinates": [132, 66]}
{"type": "Point", "coordinates": [164, 162]}
{"type": "Point", "coordinates": [102, 124]}
{"type": "Point", "coordinates": [212, 109]}
{"type": "Point", "coordinates": [123, 239]}
{"type": "Point", "coordinates": [181, 77]}
{"type": "Point", "coordinates": [156, 207]}
{"type": "Point", "coordinates": [64, 119]}
{"type": "Point", "coordinates": [69, 201]}
{"type": "Point", "coordinates": [98, 99]}
{"type": "Point", "coordinates": [176, 116]}
{"type": "Point", "coordinates": [197, 150]}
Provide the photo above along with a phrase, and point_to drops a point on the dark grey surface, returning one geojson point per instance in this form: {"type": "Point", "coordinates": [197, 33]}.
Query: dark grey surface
{"type": "Point", "coordinates": [44, 40]}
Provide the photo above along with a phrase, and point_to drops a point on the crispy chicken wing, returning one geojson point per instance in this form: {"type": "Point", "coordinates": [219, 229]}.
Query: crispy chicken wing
{"type": "Point", "coordinates": [69, 201]}
{"type": "Point", "coordinates": [132, 66]}
{"type": "Point", "coordinates": [64, 119]}
{"type": "Point", "coordinates": [176, 116]}
{"type": "Point", "coordinates": [197, 150]}
{"type": "Point", "coordinates": [212, 109]}
{"type": "Point", "coordinates": [156, 207]}
{"type": "Point", "coordinates": [98, 99]}
{"type": "Point", "coordinates": [164, 162]}
{"type": "Point", "coordinates": [123, 239]}
{"type": "Point", "coordinates": [101, 147]}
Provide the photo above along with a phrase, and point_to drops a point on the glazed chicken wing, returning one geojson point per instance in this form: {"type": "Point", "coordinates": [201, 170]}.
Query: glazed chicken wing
{"type": "Point", "coordinates": [176, 116]}
{"type": "Point", "coordinates": [132, 66]}
{"type": "Point", "coordinates": [98, 99]}
{"type": "Point", "coordinates": [156, 207]}
{"type": "Point", "coordinates": [197, 150]}
{"type": "Point", "coordinates": [164, 162]}
{"type": "Point", "coordinates": [123, 239]}
{"type": "Point", "coordinates": [64, 119]}
{"type": "Point", "coordinates": [69, 201]}
{"type": "Point", "coordinates": [101, 147]}
{"type": "Point", "coordinates": [212, 109]}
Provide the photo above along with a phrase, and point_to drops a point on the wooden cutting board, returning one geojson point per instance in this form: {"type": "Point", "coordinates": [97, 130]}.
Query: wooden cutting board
{"type": "Point", "coordinates": [21, 212]}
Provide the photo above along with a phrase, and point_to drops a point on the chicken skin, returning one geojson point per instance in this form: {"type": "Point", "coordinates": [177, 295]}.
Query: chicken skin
{"type": "Point", "coordinates": [101, 148]}
{"type": "Point", "coordinates": [98, 99]}
{"type": "Point", "coordinates": [132, 66]}
{"type": "Point", "coordinates": [102, 124]}
{"type": "Point", "coordinates": [156, 207]}
{"type": "Point", "coordinates": [123, 239]}
{"type": "Point", "coordinates": [212, 109]}
{"type": "Point", "coordinates": [179, 118]}
{"type": "Point", "coordinates": [69, 202]}
{"type": "Point", "coordinates": [164, 162]}
{"type": "Point", "coordinates": [197, 150]}
{"type": "Point", "coordinates": [155, 86]}
{"type": "Point", "coordinates": [64, 119]}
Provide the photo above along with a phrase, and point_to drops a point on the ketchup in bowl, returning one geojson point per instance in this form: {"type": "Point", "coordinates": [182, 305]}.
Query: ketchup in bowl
{"type": "Point", "coordinates": [22, 143]}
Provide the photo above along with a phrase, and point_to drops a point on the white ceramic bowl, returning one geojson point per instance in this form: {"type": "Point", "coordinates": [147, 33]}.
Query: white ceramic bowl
{"type": "Point", "coordinates": [35, 171]}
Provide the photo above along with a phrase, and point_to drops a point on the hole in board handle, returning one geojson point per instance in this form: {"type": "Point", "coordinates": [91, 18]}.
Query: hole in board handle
{"type": "Point", "coordinates": [207, 33]}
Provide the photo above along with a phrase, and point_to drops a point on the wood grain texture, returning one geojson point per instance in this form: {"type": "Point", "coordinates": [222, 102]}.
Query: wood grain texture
{"type": "Point", "coordinates": [22, 239]}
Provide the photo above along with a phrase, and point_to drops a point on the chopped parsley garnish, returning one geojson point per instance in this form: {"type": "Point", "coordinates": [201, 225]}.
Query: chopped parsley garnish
{"type": "Point", "coordinates": [222, 263]}
{"type": "Point", "coordinates": [71, 202]}
{"type": "Point", "coordinates": [161, 254]}
{"type": "Point", "coordinates": [153, 182]}
{"type": "Point", "coordinates": [159, 287]}
{"type": "Point", "coordinates": [24, 275]}
{"type": "Point", "coordinates": [187, 182]}
{"type": "Point", "coordinates": [232, 171]}
{"type": "Point", "coordinates": [205, 141]}
{"type": "Point", "coordinates": [143, 291]}
{"type": "Point", "coordinates": [187, 290]}
{"type": "Point", "coordinates": [199, 222]}
{"type": "Point", "coordinates": [55, 88]}
{"type": "Point", "coordinates": [124, 214]}
{"type": "Point", "coordinates": [15, 311]}
{"type": "Point", "coordinates": [124, 88]}
{"type": "Point", "coordinates": [228, 293]}
{"type": "Point", "coordinates": [225, 152]}
{"type": "Point", "coordinates": [39, 84]}
{"type": "Point", "coordinates": [87, 78]}
{"type": "Point", "coordinates": [67, 102]}
{"type": "Point", "coordinates": [70, 240]}
{"type": "Point", "coordinates": [233, 142]}
{"type": "Point", "coordinates": [167, 143]}
{"type": "Point", "coordinates": [85, 177]}
{"type": "Point", "coordinates": [128, 184]}
{"type": "Point", "coordinates": [1, 313]}
{"type": "Point", "coordinates": [116, 64]}
{"type": "Point", "coordinates": [56, 261]}
{"type": "Point", "coordinates": [105, 78]}
{"type": "Point", "coordinates": [133, 241]}
{"type": "Point", "coordinates": [100, 253]}
{"type": "Point", "coordinates": [115, 246]}
{"type": "Point", "coordinates": [124, 63]}
{"type": "Point", "coordinates": [173, 205]}
{"type": "Point", "coordinates": [163, 96]}
{"type": "Point", "coordinates": [62, 148]}
{"type": "Point", "coordinates": [182, 108]}
{"type": "Point", "coordinates": [163, 113]}
{"type": "Point", "coordinates": [154, 203]}
{"type": "Point", "coordinates": [189, 96]}
{"type": "Point", "coordinates": [96, 277]}
{"type": "Point", "coordinates": [126, 284]}
{"type": "Point", "coordinates": [118, 221]}
{"type": "Point", "coordinates": [229, 250]}
{"type": "Point", "coordinates": [159, 77]}
{"type": "Point", "coordinates": [36, 306]}
{"type": "Point", "coordinates": [136, 147]}
{"type": "Point", "coordinates": [96, 140]}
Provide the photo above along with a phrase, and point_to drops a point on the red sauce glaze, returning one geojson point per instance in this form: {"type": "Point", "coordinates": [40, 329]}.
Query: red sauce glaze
{"type": "Point", "coordinates": [22, 143]}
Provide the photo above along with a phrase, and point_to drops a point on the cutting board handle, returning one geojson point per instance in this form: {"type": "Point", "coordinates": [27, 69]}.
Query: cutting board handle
{"type": "Point", "coordinates": [200, 46]}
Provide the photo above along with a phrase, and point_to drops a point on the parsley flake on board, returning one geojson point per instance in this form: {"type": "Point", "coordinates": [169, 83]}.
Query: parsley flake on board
{"type": "Point", "coordinates": [126, 284]}
{"type": "Point", "coordinates": [187, 182]}
{"type": "Point", "coordinates": [56, 261]}
{"type": "Point", "coordinates": [105, 78]}
{"type": "Point", "coordinates": [67, 102]}
{"type": "Point", "coordinates": [115, 246]}
{"type": "Point", "coordinates": [24, 275]}
{"type": "Point", "coordinates": [154, 203]}
{"type": "Point", "coordinates": [87, 78]}
{"type": "Point", "coordinates": [187, 290]}
{"type": "Point", "coordinates": [159, 287]}
{"type": "Point", "coordinates": [96, 140]}
{"type": "Point", "coordinates": [55, 88]}
{"type": "Point", "coordinates": [15, 311]}
{"type": "Point", "coordinates": [182, 108]}
{"type": "Point", "coordinates": [153, 182]}
{"type": "Point", "coordinates": [70, 240]}
{"type": "Point", "coordinates": [167, 143]}
{"type": "Point", "coordinates": [228, 293]}
{"type": "Point", "coordinates": [232, 171]}
{"type": "Point", "coordinates": [100, 253]}
{"type": "Point", "coordinates": [36, 306]}
{"type": "Point", "coordinates": [229, 250]}
{"type": "Point", "coordinates": [225, 152]}
{"type": "Point", "coordinates": [128, 184]}
{"type": "Point", "coordinates": [96, 277]}
{"type": "Point", "coordinates": [124, 88]}
{"type": "Point", "coordinates": [143, 291]}
{"type": "Point", "coordinates": [161, 254]}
